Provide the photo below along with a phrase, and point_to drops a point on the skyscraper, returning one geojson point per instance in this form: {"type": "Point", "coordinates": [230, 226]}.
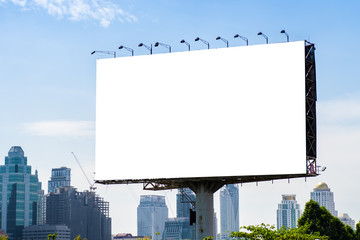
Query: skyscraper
{"type": "Point", "coordinates": [179, 228]}
{"type": "Point", "coordinates": [324, 197]}
{"type": "Point", "coordinates": [152, 213]}
{"type": "Point", "coordinates": [20, 194]}
{"type": "Point", "coordinates": [229, 210]}
{"type": "Point", "coordinates": [184, 200]}
{"type": "Point", "coordinates": [60, 177]}
{"type": "Point", "coordinates": [288, 212]}
{"type": "Point", "coordinates": [84, 213]}
{"type": "Point", "coordinates": [346, 219]}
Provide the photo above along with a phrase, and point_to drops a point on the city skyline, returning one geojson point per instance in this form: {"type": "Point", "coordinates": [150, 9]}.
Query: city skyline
{"type": "Point", "coordinates": [321, 186]}
{"type": "Point", "coordinates": [47, 77]}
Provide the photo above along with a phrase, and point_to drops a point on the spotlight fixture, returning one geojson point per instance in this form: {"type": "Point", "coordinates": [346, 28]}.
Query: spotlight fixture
{"type": "Point", "coordinates": [164, 45]}
{"type": "Point", "coordinates": [287, 35]}
{"type": "Point", "coordinates": [188, 44]}
{"type": "Point", "coordinates": [205, 42]}
{"type": "Point", "coordinates": [266, 38]}
{"type": "Point", "coordinates": [146, 46]}
{"type": "Point", "coordinates": [105, 52]}
{"type": "Point", "coordinates": [129, 49]}
{"type": "Point", "coordinates": [224, 40]}
{"type": "Point", "coordinates": [243, 38]}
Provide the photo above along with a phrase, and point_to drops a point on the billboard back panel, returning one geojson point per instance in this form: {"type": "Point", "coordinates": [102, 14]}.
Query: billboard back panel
{"type": "Point", "coordinates": [236, 111]}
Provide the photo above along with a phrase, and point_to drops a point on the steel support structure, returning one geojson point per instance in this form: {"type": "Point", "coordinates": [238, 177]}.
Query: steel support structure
{"type": "Point", "coordinates": [205, 187]}
{"type": "Point", "coordinates": [310, 98]}
{"type": "Point", "coordinates": [185, 198]}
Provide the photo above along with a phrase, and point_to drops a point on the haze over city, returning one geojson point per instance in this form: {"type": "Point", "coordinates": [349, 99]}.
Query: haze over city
{"type": "Point", "coordinates": [47, 93]}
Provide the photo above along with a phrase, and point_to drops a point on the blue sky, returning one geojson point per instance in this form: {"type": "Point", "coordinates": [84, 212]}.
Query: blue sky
{"type": "Point", "coordinates": [47, 77]}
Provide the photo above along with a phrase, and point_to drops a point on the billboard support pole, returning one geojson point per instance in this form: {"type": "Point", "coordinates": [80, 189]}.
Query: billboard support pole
{"type": "Point", "coordinates": [204, 191]}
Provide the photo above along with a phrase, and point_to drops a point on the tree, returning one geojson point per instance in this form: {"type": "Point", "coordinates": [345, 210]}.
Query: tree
{"type": "Point", "coordinates": [267, 232]}
{"type": "Point", "coordinates": [78, 237]}
{"type": "Point", "coordinates": [52, 236]}
{"type": "Point", "coordinates": [357, 231]}
{"type": "Point", "coordinates": [316, 219]}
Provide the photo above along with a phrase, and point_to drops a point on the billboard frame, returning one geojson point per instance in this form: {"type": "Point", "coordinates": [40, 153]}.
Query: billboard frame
{"type": "Point", "coordinates": [311, 145]}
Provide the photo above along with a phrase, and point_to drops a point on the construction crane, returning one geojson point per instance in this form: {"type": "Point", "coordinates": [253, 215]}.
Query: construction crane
{"type": "Point", "coordinates": [92, 188]}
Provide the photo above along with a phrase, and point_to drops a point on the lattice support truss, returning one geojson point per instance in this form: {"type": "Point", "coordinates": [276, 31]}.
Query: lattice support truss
{"type": "Point", "coordinates": [310, 93]}
{"type": "Point", "coordinates": [185, 198]}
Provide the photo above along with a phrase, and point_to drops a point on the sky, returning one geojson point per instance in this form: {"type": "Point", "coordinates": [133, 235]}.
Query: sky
{"type": "Point", "coordinates": [47, 84]}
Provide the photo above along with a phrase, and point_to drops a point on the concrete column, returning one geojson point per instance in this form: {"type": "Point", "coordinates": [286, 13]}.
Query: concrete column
{"type": "Point", "coordinates": [204, 191]}
{"type": "Point", "coordinates": [204, 213]}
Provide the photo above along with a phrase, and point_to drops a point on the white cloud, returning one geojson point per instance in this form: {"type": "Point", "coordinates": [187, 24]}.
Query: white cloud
{"type": "Point", "coordinates": [21, 3]}
{"type": "Point", "coordinates": [61, 128]}
{"type": "Point", "coordinates": [103, 12]}
{"type": "Point", "coordinates": [342, 111]}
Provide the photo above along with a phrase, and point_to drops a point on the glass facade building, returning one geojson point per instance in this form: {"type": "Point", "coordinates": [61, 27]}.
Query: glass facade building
{"type": "Point", "coordinates": [60, 177]}
{"type": "Point", "coordinates": [229, 210]}
{"type": "Point", "coordinates": [288, 212]}
{"type": "Point", "coordinates": [324, 197]}
{"type": "Point", "coordinates": [20, 194]}
{"type": "Point", "coordinates": [152, 213]}
{"type": "Point", "coordinates": [179, 228]}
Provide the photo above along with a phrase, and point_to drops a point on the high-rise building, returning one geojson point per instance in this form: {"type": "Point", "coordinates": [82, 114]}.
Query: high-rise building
{"type": "Point", "coordinates": [42, 232]}
{"type": "Point", "coordinates": [20, 194]}
{"type": "Point", "coordinates": [324, 197]}
{"type": "Point", "coordinates": [179, 228]}
{"type": "Point", "coordinates": [229, 210]}
{"type": "Point", "coordinates": [83, 212]}
{"type": "Point", "coordinates": [346, 219]}
{"type": "Point", "coordinates": [185, 198]}
{"type": "Point", "coordinates": [152, 213]}
{"type": "Point", "coordinates": [60, 177]}
{"type": "Point", "coordinates": [288, 212]}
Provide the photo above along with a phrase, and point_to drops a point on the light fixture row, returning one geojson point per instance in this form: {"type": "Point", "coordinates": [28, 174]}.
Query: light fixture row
{"type": "Point", "coordinates": [150, 48]}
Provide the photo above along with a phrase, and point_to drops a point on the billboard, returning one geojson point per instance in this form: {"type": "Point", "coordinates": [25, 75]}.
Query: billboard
{"type": "Point", "coordinates": [236, 111]}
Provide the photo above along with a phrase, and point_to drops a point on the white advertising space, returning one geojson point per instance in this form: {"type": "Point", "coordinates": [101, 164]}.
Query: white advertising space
{"type": "Point", "coordinates": [235, 111]}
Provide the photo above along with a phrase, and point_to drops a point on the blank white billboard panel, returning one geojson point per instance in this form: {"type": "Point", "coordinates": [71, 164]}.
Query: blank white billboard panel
{"type": "Point", "coordinates": [222, 112]}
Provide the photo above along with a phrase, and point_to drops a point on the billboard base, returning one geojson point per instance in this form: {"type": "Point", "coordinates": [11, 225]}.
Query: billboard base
{"type": "Point", "coordinates": [204, 191]}
{"type": "Point", "coordinates": [204, 188]}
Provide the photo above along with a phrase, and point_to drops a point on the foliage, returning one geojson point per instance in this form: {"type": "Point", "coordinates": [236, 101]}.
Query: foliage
{"type": "Point", "coordinates": [208, 238]}
{"type": "Point", "coordinates": [52, 236]}
{"type": "Point", "coordinates": [319, 220]}
{"type": "Point", "coordinates": [357, 231]}
{"type": "Point", "coordinates": [267, 232]}
{"type": "Point", "coordinates": [78, 237]}
{"type": "Point", "coordinates": [4, 237]}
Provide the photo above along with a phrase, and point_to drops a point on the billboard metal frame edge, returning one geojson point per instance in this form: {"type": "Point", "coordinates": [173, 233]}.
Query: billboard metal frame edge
{"type": "Point", "coordinates": [312, 169]}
